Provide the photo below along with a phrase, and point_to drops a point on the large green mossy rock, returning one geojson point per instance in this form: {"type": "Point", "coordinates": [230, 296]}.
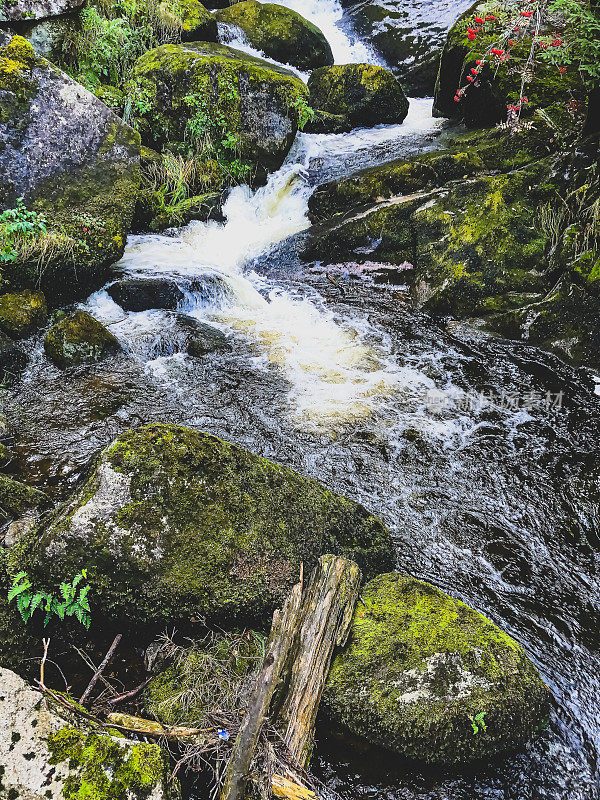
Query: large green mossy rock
{"type": "Point", "coordinates": [73, 161]}
{"type": "Point", "coordinates": [21, 313]}
{"type": "Point", "coordinates": [421, 668]}
{"type": "Point", "coordinates": [363, 93]}
{"type": "Point", "coordinates": [47, 754]}
{"type": "Point", "coordinates": [498, 85]}
{"type": "Point", "coordinates": [236, 114]}
{"type": "Point", "coordinates": [174, 524]}
{"type": "Point", "coordinates": [79, 339]}
{"type": "Point", "coordinates": [460, 245]}
{"type": "Point", "coordinates": [280, 33]}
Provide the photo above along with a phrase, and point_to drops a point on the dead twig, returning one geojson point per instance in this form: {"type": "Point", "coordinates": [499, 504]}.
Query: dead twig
{"type": "Point", "coordinates": [90, 687]}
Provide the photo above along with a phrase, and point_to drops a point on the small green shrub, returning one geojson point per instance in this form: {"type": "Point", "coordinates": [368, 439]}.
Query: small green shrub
{"type": "Point", "coordinates": [17, 225]}
{"type": "Point", "coordinates": [72, 602]}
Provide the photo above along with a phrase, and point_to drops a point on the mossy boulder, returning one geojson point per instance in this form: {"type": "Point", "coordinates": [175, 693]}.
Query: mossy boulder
{"type": "Point", "coordinates": [279, 33]}
{"type": "Point", "coordinates": [16, 498]}
{"type": "Point", "coordinates": [45, 755]}
{"type": "Point", "coordinates": [79, 339]}
{"type": "Point", "coordinates": [195, 22]}
{"type": "Point", "coordinates": [74, 162]}
{"type": "Point", "coordinates": [175, 524]}
{"type": "Point", "coordinates": [236, 114]}
{"type": "Point", "coordinates": [392, 179]}
{"type": "Point", "coordinates": [22, 313]}
{"type": "Point", "coordinates": [363, 93]}
{"type": "Point", "coordinates": [431, 679]}
{"type": "Point", "coordinates": [459, 244]}
{"type": "Point", "coordinates": [498, 85]}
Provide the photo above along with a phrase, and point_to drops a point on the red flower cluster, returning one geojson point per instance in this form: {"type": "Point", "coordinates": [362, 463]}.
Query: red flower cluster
{"type": "Point", "coordinates": [527, 14]}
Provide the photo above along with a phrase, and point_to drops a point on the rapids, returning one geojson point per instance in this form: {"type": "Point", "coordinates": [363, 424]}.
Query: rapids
{"type": "Point", "coordinates": [481, 454]}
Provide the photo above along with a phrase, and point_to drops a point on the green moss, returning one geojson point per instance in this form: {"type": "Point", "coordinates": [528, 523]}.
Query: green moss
{"type": "Point", "coordinates": [103, 768]}
{"type": "Point", "coordinates": [78, 339]}
{"type": "Point", "coordinates": [17, 497]}
{"type": "Point", "coordinates": [363, 93]}
{"type": "Point", "coordinates": [420, 665]}
{"type": "Point", "coordinates": [209, 116]}
{"type": "Point", "coordinates": [279, 33]}
{"type": "Point", "coordinates": [203, 528]}
{"type": "Point", "coordinates": [22, 313]}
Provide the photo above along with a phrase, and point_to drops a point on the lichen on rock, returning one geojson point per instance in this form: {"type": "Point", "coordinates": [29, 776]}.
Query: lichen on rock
{"type": "Point", "coordinates": [22, 313]}
{"type": "Point", "coordinates": [420, 667]}
{"type": "Point", "coordinates": [174, 523]}
{"type": "Point", "coordinates": [363, 93]}
{"type": "Point", "coordinates": [79, 339]}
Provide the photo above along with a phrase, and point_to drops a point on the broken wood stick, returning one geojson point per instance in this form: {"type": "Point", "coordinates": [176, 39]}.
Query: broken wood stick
{"type": "Point", "coordinates": [105, 661]}
{"type": "Point", "coordinates": [283, 787]}
{"type": "Point", "coordinates": [326, 614]}
{"type": "Point", "coordinates": [281, 641]}
{"type": "Point", "coordinates": [149, 727]}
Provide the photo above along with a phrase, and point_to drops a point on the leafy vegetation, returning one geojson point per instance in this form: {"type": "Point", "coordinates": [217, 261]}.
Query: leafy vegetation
{"type": "Point", "coordinates": [113, 35]}
{"type": "Point", "coordinates": [17, 226]}
{"type": "Point", "coordinates": [72, 601]}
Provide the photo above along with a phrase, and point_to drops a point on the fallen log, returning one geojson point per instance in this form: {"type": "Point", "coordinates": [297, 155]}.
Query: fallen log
{"type": "Point", "coordinates": [281, 641]}
{"type": "Point", "coordinates": [315, 619]}
{"type": "Point", "coordinates": [326, 614]}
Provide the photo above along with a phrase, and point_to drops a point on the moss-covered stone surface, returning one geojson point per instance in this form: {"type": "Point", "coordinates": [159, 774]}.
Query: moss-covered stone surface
{"type": "Point", "coordinates": [74, 162]}
{"type": "Point", "coordinates": [280, 33]}
{"type": "Point", "coordinates": [499, 84]}
{"type": "Point", "coordinates": [22, 313]}
{"type": "Point", "coordinates": [422, 670]}
{"type": "Point", "coordinates": [17, 497]}
{"type": "Point", "coordinates": [197, 22]}
{"type": "Point", "coordinates": [236, 114]}
{"type": "Point", "coordinates": [174, 524]}
{"type": "Point", "coordinates": [79, 339]}
{"type": "Point", "coordinates": [47, 754]}
{"type": "Point", "coordinates": [363, 93]}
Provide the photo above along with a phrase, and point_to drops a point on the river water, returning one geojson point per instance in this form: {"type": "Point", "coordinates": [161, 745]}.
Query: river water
{"type": "Point", "coordinates": [481, 454]}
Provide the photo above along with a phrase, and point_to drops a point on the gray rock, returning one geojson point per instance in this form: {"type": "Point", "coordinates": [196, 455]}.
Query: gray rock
{"type": "Point", "coordinates": [40, 750]}
{"type": "Point", "coordinates": [204, 338]}
{"type": "Point", "coordinates": [79, 339]}
{"type": "Point", "coordinates": [72, 160]}
{"type": "Point", "coordinates": [36, 9]}
{"type": "Point", "coordinates": [143, 294]}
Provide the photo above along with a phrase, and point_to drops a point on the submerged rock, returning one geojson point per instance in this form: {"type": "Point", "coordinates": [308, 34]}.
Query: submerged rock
{"type": "Point", "coordinates": [174, 524]}
{"type": "Point", "coordinates": [74, 162]}
{"type": "Point", "coordinates": [280, 33]}
{"type": "Point", "coordinates": [363, 93]}
{"type": "Point", "coordinates": [203, 338]}
{"type": "Point", "coordinates": [236, 114]}
{"type": "Point", "coordinates": [44, 755]}
{"type": "Point", "coordinates": [22, 313]}
{"type": "Point", "coordinates": [143, 294]}
{"type": "Point", "coordinates": [429, 678]}
{"type": "Point", "coordinates": [79, 339]}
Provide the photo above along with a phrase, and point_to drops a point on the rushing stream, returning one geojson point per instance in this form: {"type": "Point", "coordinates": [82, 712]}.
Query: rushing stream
{"type": "Point", "coordinates": [481, 454]}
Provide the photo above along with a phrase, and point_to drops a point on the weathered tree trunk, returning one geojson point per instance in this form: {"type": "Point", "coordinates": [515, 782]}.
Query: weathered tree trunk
{"type": "Point", "coordinates": [281, 640]}
{"type": "Point", "coordinates": [326, 613]}
{"type": "Point", "coordinates": [303, 637]}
